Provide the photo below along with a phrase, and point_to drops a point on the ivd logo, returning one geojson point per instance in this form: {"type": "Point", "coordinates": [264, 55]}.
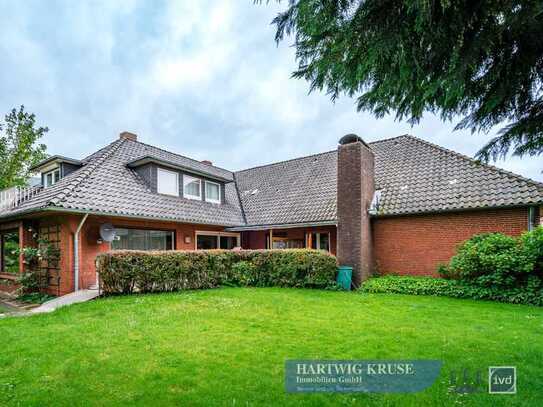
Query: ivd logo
{"type": "Point", "coordinates": [502, 379]}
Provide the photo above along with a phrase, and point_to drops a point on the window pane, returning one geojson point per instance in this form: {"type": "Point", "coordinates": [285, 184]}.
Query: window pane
{"type": "Point", "coordinates": [135, 239]}
{"type": "Point", "coordinates": [314, 240]}
{"type": "Point", "coordinates": [324, 242]}
{"type": "Point", "coordinates": [167, 182]}
{"type": "Point", "coordinates": [191, 187]}
{"type": "Point", "coordinates": [228, 242]}
{"type": "Point", "coordinates": [212, 192]}
{"type": "Point", "coordinates": [51, 177]}
{"type": "Point", "coordinates": [320, 241]}
{"type": "Point", "coordinates": [159, 240]}
{"type": "Point", "coordinates": [10, 259]}
{"type": "Point", "coordinates": [283, 243]}
{"type": "Point", "coordinates": [206, 242]}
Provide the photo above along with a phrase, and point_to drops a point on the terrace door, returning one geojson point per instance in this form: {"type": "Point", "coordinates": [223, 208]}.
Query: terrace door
{"type": "Point", "coordinates": [9, 244]}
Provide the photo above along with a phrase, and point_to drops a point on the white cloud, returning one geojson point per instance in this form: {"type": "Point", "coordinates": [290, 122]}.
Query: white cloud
{"type": "Point", "coordinates": [203, 78]}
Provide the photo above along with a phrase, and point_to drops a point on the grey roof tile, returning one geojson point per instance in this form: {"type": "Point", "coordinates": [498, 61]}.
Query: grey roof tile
{"type": "Point", "coordinates": [414, 176]}
{"type": "Point", "coordinates": [106, 185]}
{"type": "Point", "coordinates": [295, 191]}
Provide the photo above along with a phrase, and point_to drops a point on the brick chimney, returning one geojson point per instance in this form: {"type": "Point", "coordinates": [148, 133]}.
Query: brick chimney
{"type": "Point", "coordinates": [355, 189]}
{"type": "Point", "coordinates": [206, 162]}
{"type": "Point", "coordinates": [126, 135]}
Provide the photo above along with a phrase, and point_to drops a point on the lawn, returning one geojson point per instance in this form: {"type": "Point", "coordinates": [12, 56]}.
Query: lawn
{"type": "Point", "coordinates": [228, 347]}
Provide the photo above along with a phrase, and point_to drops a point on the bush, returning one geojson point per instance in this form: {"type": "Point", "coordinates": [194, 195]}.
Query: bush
{"type": "Point", "coordinates": [33, 281]}
{"type": "Point", "coordinates": [532, 243]}
{"type": "Point", "coordinates": [501, 265]}
{"type": "Point", "coordinates": [129, 271]}
{"type": "Point", "coordinates": [450, 288]}
{"type": "Point", "coordinates": [490, 266]}
{"type": "Point", "coordinates": [491, 260]}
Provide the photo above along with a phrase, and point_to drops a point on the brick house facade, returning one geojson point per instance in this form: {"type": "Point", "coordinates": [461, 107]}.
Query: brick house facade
{"type": "Point", "coordinates": [399, 205]}
{"type": "Point", "coordinates": [418, 244]}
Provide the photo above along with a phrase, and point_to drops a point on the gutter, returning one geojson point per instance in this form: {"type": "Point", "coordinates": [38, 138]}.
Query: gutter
{"type": "Point", "coordinates": [281, 226]}
{"type": "Point", "coordinates": [76, 252]}
{"type": "Point", "coordinates": [25, 212]}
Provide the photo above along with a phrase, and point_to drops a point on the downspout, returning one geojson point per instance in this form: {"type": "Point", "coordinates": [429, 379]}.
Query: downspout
{"type": "Point", "coordinates": [76, 252]}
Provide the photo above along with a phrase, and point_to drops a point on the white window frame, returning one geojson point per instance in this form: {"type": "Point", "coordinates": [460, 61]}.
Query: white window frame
{"type": "Point", "coordinates": [218, 235]}
{"type": "Point", "coordinates": [53, 182]}
{"type": "Point", "coordinates": [187, 179]}
{"type": "Point", "coordinates": [162, 170]}
{"type": "Point", "coordinates": [217, 201]}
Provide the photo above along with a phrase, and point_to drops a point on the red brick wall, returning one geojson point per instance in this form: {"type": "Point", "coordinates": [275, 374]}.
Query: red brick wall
{"type": "Point", "coordinates": [416, 245]}
{"type": "Point", "coordinates": [90, 248]}
{"type": "Point", "coordinates": [355, 189]}
{"type": "Point", "coordinates": [254, 240]}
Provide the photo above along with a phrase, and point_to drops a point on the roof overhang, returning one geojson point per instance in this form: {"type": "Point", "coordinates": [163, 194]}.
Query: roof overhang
{"type": "Point", "coordinates": [54, 160]}
{"type": "Point", "coordinates": [8, 216]}
{"type": "Point", "coordinates": [282, 226]}
{"type": "Point", "coordinates": [164, 163]}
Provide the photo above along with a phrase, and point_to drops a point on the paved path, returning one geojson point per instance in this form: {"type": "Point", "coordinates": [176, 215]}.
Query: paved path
{"type": "Point", "coordinates": [68, 299]}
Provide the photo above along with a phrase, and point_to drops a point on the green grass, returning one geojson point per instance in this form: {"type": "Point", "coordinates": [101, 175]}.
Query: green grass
{"type": "Point", "coordinates": [228, 347]}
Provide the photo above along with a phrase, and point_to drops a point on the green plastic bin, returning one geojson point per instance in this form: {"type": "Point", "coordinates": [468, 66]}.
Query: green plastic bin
{"type": "Point", "coordinates": [344, 277]}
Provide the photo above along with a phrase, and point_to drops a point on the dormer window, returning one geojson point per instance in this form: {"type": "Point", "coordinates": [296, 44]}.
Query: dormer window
{"type": "Point", "coordinates": [192, 187]}
{"type": "Point", "coordinates": [51, 178]}
{"type": "Point", "coordinates": [213, 192]}
{"type": "Point", "coordinates": [167, 182]}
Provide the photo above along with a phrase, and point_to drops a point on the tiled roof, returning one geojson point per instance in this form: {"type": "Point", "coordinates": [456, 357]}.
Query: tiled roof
{"type": "Point", "coordinates": [414, 176]}
{"type": "Point", "coordinates": [296, 191]}
{"type": "Point", "coordinates": [106, 185]}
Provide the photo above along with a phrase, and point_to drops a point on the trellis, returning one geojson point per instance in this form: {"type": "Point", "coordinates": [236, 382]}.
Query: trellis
{"type": "Point", "coordinates": [50, 234]}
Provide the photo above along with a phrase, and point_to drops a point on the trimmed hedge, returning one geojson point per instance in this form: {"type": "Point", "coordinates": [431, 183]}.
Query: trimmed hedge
{"type": "Point", "coordinates": [124, 272]}
{"type": "Point", "coordinates": [449, 288]}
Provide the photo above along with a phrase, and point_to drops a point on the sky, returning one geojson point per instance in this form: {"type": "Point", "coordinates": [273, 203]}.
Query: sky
{"type": "Point", "coordinates": [200, 78]}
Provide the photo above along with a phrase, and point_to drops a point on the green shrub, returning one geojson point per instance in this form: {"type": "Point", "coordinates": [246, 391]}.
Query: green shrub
{"type": "Point", "coordinates": [501, 265]}
{"type": "Point", "coordinates": [532, 243]}
{"type": "Point", "coordinates": [35, 298]}
{"type": "Point", "coordinates": [490, 266]}
{"type": "Point", "coordinates": [130, 271]}
{"type": "Point", "coordinates": [245, 272]}
{"type": "Point", "coordinates": [446, 272]}
{"type": "Point", "coordinates": [490, 260]}
{"type": "Point", "coordinates": [33, 281]}
{"type": "Point", "coordinates": [450, 288]}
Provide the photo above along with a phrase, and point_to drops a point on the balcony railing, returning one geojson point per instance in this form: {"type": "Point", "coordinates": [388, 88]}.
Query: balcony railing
{"type": "Point", "coordinates": [11, 198]}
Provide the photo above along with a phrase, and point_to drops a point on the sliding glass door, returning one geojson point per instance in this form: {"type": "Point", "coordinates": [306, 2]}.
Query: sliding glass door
{"type": "Point", "coordinates": [216, 240]}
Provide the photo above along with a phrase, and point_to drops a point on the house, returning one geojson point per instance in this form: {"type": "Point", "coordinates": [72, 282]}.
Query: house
{"type": "Point", "coordinates": [397, 205]}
